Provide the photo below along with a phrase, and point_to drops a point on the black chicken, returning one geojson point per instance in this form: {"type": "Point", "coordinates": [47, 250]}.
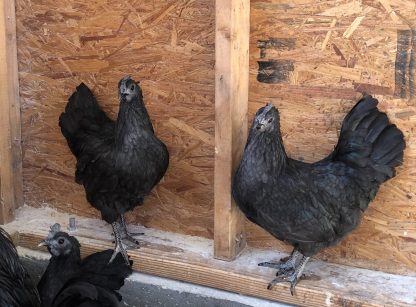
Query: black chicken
{"type": "Point", "coordinates": [117, 162]}
{"type": "Point", "coordinates": [69, 281]}
{"type": "Point", "coordinates": [16, 287]}
{"type": "Point", "coordinates": [313, 206]}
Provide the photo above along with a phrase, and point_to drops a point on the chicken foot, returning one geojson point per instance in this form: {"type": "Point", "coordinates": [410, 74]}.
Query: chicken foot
{"type": "Point", "coordinates": [119, 248]}
{"type": "Point", "coordinates": [285, 265]}
{"type": "Point", "coordinates": [291, 276]}
{"type": "Point", "coordinates": [128, 236]}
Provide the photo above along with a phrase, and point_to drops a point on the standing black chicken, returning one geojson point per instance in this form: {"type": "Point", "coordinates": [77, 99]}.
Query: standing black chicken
{"type": "Point", "coordinates": [71, 282]}
{"type": "Point", "coordinates": [313, 206]}
{"type": "Point", "coordinates": [16, 287]}
{"type": "Point", "coordinates": [117, 162]}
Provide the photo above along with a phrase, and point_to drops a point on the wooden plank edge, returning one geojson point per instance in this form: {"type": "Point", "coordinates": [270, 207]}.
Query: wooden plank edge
{"type": "Point", "coordinates": [232, 33]}
{"type": "Point", "coordinates": [189, 270]}
{"type": "Point", "coordinates": [11, 182]}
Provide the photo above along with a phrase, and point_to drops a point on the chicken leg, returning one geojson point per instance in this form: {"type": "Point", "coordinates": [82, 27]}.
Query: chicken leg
{"type": "Point", "coordinates": [288, 271]}
{"type": "Point", "coordinates": [119, 248]}
{"type": "Point", "coordinates": [126, 235]}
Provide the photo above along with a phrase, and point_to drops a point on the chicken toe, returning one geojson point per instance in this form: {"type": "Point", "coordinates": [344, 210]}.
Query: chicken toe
{"type": "Point", "coordinates": [125, 232]}
{"type": "Point", "coordinates": [290, 274]}
{"type": "Point", "coordinates": [119, 248]}
{"type": "Point", "coordinates": [130, 241]}
{"type": "Point", "coordinates": [286, 265]}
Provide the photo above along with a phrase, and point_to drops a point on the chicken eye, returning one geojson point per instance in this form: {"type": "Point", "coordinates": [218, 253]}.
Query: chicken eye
{"type": "Point", "coordinates": [270, 120]}
{"type": "Point", "coordinates": [61, 241]}
{"type": "Point", "coordinates": [132, 87]}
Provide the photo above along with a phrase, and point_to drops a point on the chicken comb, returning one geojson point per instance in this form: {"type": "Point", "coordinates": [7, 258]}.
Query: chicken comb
{"type": "Point", "coordinates": [55, 228]}
{"type": "Point", "coordinates": [268, 107]}
{"type": "Point", "coordinates": [127, 77]}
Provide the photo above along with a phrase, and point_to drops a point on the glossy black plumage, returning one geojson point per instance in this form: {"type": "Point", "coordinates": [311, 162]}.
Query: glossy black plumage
{"type": "Point", "coordinates": [69, 281]}
{"type": "Point", "coordinates": [314, 205]}
{"type": "Point", "coordinates": [16, 286]}
{"type": "Point", "coordinates": [118, 162]}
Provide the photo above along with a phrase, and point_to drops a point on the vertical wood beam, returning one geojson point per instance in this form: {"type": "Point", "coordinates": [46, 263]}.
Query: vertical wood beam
{"type": "Point", "coordinates": [11, 187]}
{"type": "Point", "coordinates": [231, 102]}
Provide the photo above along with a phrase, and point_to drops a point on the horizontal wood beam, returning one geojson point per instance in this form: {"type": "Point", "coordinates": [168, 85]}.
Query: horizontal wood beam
{"type": "Point", "coordinates": [10, 146]}
{"type": "Point", "coordinates": [190, 259]}
{"type": "Point", "coordinates": [231, 103]}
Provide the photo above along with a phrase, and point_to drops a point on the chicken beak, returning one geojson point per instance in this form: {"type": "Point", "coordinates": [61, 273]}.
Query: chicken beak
{"type": "Point", "coordinates": [261, 121]}
{"type": "Point", "coordinates": [122, 95]}
{"type": "Point", "coordinates": [43, 243]}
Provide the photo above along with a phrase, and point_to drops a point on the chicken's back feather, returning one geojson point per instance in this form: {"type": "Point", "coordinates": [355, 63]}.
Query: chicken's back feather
{"type": "Point", "coordinates": [16, 286]}
{"type": "Point", "coordinates": [92, 281]}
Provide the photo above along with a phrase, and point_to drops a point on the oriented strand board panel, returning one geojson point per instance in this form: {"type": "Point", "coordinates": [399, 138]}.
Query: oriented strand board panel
{"type": "Point", "coordinates": [169, 47]}
{"type": "Point", "coordinates": [313, 60]}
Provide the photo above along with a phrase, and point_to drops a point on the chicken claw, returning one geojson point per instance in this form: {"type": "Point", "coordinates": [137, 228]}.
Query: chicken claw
{"type": "Point", "coordinates": [281, 267]}
{"type": "Point", "coordinates": [288, 271]}
{"type": "Point", "coordinates": [127, 233]}
{"type": "Point", "coordinates": [291, 278]}
{"type": "Point", "coordinates": [130, 241]}
{"type": "Point", "coordinates": [286, 265]}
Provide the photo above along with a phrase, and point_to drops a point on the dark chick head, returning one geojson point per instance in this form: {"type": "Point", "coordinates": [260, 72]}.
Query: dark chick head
{"type": "Point", "coordinates": [128, 89]}
{"type": "Point", "coordinates": [266, 119]}
{"type": "Point", "coordinates": [60, 243]}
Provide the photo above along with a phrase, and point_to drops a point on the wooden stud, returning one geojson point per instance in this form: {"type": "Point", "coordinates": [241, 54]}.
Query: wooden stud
{"type": "Point", "coordinates": [10, 146]}
{"type": "Point", "coordinates": [231, 102]}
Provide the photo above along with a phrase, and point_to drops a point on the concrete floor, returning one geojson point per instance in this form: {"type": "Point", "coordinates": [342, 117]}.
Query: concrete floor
{"type": "Point", "coordinates": [143, 290]}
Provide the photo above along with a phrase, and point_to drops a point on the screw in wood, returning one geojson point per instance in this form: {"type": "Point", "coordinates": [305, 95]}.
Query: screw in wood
{"type": "Point", "coordinates": [72, 227]}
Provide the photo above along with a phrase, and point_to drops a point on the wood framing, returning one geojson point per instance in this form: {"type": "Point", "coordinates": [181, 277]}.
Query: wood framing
{"type": "Point", "coordinates": [10, 147]}
{"type": "Point", "coordinates": [232, 32]}
{"type": "Point", "coordinates": [190, 259]}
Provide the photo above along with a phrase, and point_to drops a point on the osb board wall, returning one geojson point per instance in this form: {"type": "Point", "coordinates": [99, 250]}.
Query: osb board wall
{"type": "Point", "coordinates": [169, 47]}
{"type": "Point", "coordinates": [313, 60]}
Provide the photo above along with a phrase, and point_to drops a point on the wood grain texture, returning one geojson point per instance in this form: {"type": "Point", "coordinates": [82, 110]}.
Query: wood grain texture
{"type": "Point", "coordinates": [190, 259]}
{"type": "Point", "coordinates": [231, 103]}
{"type": "Point", "coordinates": [169, 47]}
{"type": "Point", "coordinates": [10, 146]}
{"type": "Point", "coordinates": [339, 50]}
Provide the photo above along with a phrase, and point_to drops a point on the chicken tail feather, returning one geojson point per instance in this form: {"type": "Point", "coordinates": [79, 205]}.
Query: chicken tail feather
{"type": "Point", "coordinates": [81, 102]}
{"type": "Point", "coordinates": [83, 117]}
{"type": "Point", "coordinates": [368, 139]}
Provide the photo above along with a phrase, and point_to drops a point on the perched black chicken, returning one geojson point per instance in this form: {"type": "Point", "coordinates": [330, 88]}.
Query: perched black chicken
{"type": "Point", "coordinates": [71, 282]}
{"type": "Point", "coordinates": [117, 162]}
{"type": "Point", "coordinates": [313, 206]}
{"type": "Point", "coordinates": [16, 287]}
